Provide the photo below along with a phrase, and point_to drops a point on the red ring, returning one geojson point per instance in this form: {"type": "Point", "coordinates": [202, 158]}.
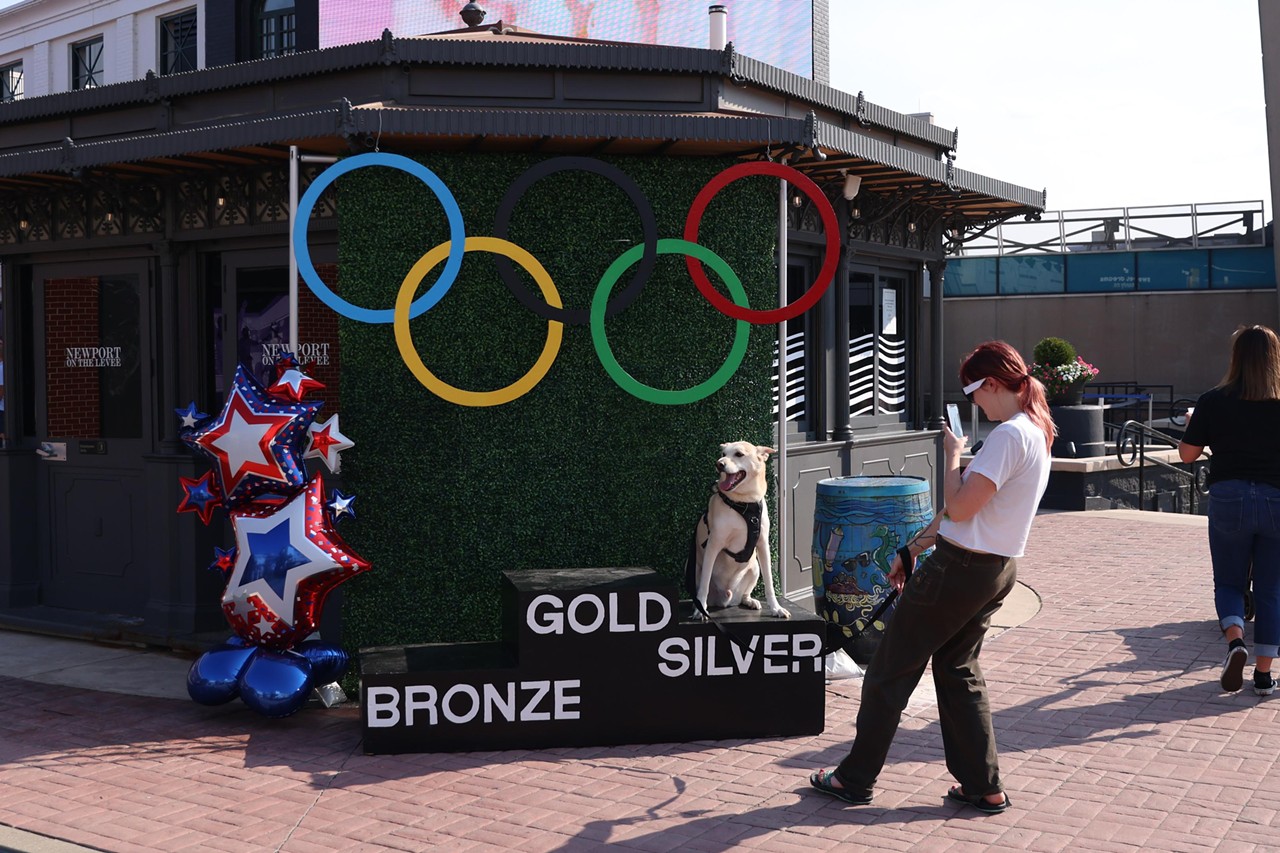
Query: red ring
{"type": "Point", "coordinates": [829, 225]}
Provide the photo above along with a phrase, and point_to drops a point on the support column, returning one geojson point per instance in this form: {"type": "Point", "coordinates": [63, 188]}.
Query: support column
{"type": "Point", "coordinates": [937, 279]}
{"type": "Point", "coordinates": [841, 430]}
{"type": "Point", "coordinates": [167, 314]}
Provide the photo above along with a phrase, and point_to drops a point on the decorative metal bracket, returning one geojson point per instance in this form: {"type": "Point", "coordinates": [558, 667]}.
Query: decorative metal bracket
{"type": "Point", "coordinates": [151, 85]}
{"type": "Point", "coordinates": [68, 160]}
{"type": "Point", "coordinates": [388, 48]}
{"type": "Point", "coordinates": [729, 62]}
{"type": "Point", "coordinates": [346, 120]}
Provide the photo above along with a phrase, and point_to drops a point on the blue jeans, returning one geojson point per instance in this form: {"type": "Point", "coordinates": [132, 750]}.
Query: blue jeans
{"type": "Point", "coordinates": [1244, 532]}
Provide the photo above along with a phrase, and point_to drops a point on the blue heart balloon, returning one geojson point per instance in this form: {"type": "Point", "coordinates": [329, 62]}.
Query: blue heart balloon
{"type": "Point", "coordinates": [276, 684]}
{"type": "Point", "coordinates": [328, 662]}
{"type": "Point", "coordinates": [214, 678]}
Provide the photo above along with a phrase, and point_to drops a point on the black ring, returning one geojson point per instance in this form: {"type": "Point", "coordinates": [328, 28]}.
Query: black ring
{"type": "Point", "coordinates": [624, 297]}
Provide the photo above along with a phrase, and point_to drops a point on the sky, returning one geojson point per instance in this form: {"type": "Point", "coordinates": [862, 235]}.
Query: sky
{"type": "Point", "coordinates": [1104, 103]}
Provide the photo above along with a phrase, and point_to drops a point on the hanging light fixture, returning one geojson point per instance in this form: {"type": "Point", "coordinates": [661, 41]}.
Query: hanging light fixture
{"type": "Point", "coordinates": [852, 183]}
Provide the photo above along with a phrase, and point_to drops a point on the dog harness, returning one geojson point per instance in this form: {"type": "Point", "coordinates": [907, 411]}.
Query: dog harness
{"type": "Point", "coordinates": [751, 515]}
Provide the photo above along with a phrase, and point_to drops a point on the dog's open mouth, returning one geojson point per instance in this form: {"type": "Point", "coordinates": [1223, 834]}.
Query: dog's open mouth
{"type": "Point", "coordinates": [731, 481]}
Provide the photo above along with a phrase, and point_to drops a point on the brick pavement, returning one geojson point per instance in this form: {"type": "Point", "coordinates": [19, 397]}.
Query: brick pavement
{"type": "Point", "coordinates": [1113, 735]}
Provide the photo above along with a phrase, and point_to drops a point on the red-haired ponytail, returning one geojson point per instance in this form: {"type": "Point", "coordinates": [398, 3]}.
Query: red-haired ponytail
{"type": "Point", "coordinates": [1001, 362]}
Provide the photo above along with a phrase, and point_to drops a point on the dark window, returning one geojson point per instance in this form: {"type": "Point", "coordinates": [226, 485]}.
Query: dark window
{"type": "Point", "coordinates": [120, 383]}
{"type": "Point", "coordinates": [275, 28]}
{"type": "Point", "coordinates": [11, 82]}
{"type": "Point", "coordinates": [178, 43]}
{"type": "Point", "coordinates": [86, 64]}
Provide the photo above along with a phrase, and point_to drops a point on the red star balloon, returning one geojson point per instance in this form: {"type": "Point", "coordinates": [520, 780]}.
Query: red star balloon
{"type": "Point", "coordinates": [287, 561]}
{"type": "Point", "coordinates": [200, 496]}
{"type": "Point", "coordinates": [293, 384]}
{"type": "Point", "coordinates": [254, 443]}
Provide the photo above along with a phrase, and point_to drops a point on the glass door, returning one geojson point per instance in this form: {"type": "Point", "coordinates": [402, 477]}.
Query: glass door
{"type": "Point", "coordinates": [247, 319]}
{"type": "Point", "coordinates": [880, 328]}
{"type": "Point", "coordinates": [93, 399]}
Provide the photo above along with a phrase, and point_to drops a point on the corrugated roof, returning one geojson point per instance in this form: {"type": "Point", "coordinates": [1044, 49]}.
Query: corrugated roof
{"type": "Point", "coordinates": [683, 132]}
{"type": "Point", "coordinates": [146, 146]}
{"type": "Point", "coordinates": [731, 132]}
{"type": "Point", "coordinates": [521, 50]}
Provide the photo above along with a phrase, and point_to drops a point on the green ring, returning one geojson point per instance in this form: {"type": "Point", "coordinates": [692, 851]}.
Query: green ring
{"type": "Point", "coordinates": [628, 383]}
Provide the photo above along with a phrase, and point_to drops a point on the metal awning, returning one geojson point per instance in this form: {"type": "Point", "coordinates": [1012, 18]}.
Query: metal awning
{"type": "Point", "coordinates": [839, 132]}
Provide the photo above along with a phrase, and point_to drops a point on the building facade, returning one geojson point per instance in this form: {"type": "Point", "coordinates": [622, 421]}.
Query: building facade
{"type": "Point", "coordinates": [144, 225]}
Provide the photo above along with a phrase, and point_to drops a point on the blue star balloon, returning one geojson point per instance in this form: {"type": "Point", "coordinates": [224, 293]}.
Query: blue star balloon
{"type": "Point", "coordinates": [190, 416]}
{"type": "Point", "coordinates": [341, 505]}
{"type": "Point", "coordinates": [224, 560]}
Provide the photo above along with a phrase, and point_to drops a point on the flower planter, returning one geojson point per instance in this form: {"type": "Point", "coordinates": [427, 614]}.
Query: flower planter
{"type": "Point", "coordinates": [1072, 395]}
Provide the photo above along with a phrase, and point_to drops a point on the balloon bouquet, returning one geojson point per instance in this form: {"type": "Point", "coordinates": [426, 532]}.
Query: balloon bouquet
{"type": "Point", "coordinates": [287, 555]}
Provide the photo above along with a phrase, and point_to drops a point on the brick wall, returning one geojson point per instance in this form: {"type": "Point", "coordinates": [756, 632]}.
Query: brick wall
{"type": "Point", "coordinates": [317, 323]}
{"type": "Point", "coordinates": [71, 320]}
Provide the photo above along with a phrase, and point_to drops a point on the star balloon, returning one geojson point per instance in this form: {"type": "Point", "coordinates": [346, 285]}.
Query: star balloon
{"type": "Point", "coordinates": [293, 384]}
{"type": "Point", "coordinates": [287, 361]}
{"type": "Point", "coordinates": [190, 416]}
{"type": "Point", "coordinates": [287, 561]}
{"type": "Point", "coordinates": [254, 442]}
{"type": "Point", "coordinates": [224, 560]}
{"type": "Point", "coordinates": [200, 496]}
{"type": "Point", "coordinates": [340, 505]}
{"type": "Point", "coordinates": [325, 441]}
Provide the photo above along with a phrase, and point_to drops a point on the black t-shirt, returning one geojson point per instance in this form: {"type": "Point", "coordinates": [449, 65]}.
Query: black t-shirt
{"type": "Point", "coordinates": [1244, 436]}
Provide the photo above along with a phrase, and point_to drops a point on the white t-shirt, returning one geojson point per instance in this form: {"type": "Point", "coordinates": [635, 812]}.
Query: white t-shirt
{"type": "Point", "coordinates": [1015, 458]}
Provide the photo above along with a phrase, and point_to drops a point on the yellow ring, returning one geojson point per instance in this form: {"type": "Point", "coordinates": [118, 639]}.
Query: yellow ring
{"type": "Point", "coordinates": [404, 338]}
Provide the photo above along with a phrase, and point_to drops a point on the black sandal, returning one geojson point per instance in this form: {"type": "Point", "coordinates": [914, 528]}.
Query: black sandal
{"type": "Point", "coordinates": [821, 779]}
{"type": "Point", "coordinates": [981, 803]}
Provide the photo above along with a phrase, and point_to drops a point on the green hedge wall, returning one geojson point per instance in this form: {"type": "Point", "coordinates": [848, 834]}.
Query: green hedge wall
{"type": "Point", "coordinates": [577, 472]}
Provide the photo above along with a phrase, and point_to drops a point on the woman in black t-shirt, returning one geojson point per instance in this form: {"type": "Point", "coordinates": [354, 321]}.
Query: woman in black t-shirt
{"type": "Point", "coordinates": [1240, 422]}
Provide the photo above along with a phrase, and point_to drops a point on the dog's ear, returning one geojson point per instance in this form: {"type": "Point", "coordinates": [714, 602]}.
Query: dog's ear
{"type": "Point", "coordinates": [765, 452]}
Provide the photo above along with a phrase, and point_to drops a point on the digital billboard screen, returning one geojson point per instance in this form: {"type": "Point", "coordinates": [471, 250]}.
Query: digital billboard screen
{"type": "Point", "coordinates": [779, 32]}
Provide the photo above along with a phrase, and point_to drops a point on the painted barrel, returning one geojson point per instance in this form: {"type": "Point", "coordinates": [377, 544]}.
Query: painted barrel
{"type": "Point", "coordinates": [859, 523]}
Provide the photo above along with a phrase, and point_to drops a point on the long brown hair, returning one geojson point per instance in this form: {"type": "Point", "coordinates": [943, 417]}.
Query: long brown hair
{"type": "Point", "coordinates": [998, 361]}
{"type": "Point", "coordinates": [1254, 372]}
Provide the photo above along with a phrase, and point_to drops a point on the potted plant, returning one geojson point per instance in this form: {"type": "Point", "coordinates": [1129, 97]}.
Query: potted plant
{"type": "Point", "coordinates": [1063, 372]}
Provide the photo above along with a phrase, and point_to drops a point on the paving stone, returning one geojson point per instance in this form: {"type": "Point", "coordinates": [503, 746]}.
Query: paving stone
{"type": "Point", "coordinates": [1114, 736]}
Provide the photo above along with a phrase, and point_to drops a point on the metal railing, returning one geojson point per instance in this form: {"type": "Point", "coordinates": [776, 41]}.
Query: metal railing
{"type": "Point", "coordinates": [1131, 440]}
{"type": "Point", "coordinates": [1125, 229]}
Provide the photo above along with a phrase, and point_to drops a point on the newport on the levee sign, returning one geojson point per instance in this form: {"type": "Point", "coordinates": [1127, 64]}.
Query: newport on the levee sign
{"type": "Point", "coordinates": [595, 657]}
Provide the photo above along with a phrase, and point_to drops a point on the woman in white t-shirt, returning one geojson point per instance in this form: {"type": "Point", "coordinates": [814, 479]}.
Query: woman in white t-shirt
{"type": "Point", "coordinates": [944, 612]}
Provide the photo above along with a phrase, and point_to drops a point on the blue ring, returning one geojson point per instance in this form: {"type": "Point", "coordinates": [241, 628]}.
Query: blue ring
{"type": "Point", "coordinates": [457, 237]}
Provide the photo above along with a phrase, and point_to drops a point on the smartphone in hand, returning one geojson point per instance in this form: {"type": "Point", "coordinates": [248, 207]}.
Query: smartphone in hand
{"type": "Point", "coordinates": [953, 420]}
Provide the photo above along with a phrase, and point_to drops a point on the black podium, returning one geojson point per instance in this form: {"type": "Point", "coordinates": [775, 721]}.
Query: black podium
{"type": "Point", "coordinates": [594, 657]}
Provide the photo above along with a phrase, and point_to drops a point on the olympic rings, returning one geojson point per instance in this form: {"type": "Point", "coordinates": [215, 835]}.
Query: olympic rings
{"type": "Point", "coordinates": [632, 385]}
{"type": "Point", "coordinates": [447, 392]}
{"type": "Point", "coordinates": [829, 261]}
{"type": "Point", "coordinates": [303, 252]}
{"type": "Point", "coordinates": [551, 308]}
{"type": "Point", "coordinates": [649, 222]}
